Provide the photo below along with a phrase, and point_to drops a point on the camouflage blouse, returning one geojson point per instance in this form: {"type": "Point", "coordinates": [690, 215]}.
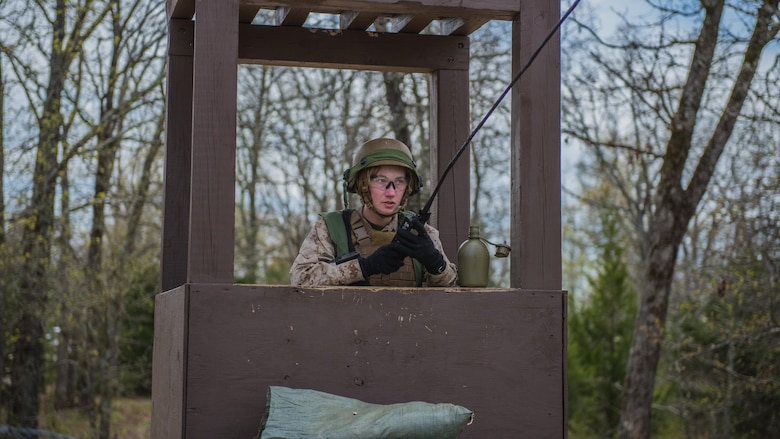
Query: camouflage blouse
{"type": "Point", "coordinates": [312, 265]}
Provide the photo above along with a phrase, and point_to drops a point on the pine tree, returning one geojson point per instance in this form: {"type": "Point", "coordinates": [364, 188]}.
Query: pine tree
{"type": "Point", "coordinates": [600, 328]}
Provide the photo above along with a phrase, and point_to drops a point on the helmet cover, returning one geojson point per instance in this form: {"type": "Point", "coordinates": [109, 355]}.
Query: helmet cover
{"type": "Point", "coordinates": [382, 152]}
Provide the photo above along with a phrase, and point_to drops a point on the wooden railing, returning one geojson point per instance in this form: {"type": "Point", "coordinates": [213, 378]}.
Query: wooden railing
{"type": "Point", "coordinates": [500, 353]}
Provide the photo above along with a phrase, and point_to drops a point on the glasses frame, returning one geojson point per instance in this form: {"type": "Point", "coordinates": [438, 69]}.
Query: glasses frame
{"type": "Point", "coordinates": [383, 183]}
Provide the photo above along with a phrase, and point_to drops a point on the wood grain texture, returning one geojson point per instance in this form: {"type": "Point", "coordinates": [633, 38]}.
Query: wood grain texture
{"type": "Point", "coordinates": [536, 151]}
{"type": "Point", "coordinates": [178, 157]}
{"type": "Point", "coordinates": [492, 9]}
{"type": "Point", "coordinates": [352, 49]}
{"type": "Point", "coordinates": [449, 129]}
{"type": "Point", "coordinates": [498, 352]}
{"type": "Point", "coordinates": [212, 200]}
{"type": "Point", "coordinates": [169, 359]}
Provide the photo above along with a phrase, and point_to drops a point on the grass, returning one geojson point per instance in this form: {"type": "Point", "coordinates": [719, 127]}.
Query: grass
{"type": "Point", "coordinates": [131, 418]}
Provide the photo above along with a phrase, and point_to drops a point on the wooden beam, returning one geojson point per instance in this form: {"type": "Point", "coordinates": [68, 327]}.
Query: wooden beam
{"type": "Point", "coordinates": [536, 150]}
{"type": "Point", "coordinates": [289, 46]}
{"type": "Point", "coordinates": [212, 200]}
{"type": "Point", "coordinates": [449, 129]}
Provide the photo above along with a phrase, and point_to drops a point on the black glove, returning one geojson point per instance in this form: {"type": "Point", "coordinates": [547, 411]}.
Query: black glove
{"type": "Point", "coordinates": [386, 259]}
{"type": "Point", "coordinates": [419, 245]}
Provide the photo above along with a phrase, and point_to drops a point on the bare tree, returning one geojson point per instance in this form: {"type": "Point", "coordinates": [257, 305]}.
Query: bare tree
{"type": "Point", "coordinates": [298, 130]}
{"type": "Point", "coordinates": [70, 26]}
{"type": "Point", "coordinates": [131, 75]}
{"type": "Point", "coordinates": [722, 339]}
{"type": "Point", "coordinates": [3, 287]}
{"type": "Point", "coordinates": [99, 87]}
{"type": "Point", "coordinates": [672, 120]}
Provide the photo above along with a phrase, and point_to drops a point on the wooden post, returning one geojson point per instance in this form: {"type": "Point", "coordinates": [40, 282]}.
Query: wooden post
{"type": "Point", "coordinates": [178, 154]}
{"type": "Point", "coordinates": [449, 129]}
{"type": "Point", "coordinates": [214, 102]}
{"type": "Point", "coordinates": [536, 150]}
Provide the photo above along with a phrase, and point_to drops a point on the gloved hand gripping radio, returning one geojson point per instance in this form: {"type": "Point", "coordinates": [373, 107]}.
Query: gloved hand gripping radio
{"type": "Point", "coordinates": [417, 244]}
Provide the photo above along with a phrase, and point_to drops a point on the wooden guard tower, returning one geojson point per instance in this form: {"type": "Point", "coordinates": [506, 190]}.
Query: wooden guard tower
{"type": "Point", "coordinates": [218, 345]}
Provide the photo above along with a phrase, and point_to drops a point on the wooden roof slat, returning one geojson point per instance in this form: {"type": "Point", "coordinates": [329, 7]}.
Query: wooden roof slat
{"type": "Point", "coordinates": [461, 26]}
{"type": "Point", "coordinates": [448, 26]}
{"type": "Point", "coordinates": [355, 14]}
{"type": "Point", "coordinates": [409, 24]}
{"type": "Point", "coordinates": [493, 9]}
{"type": "Point", "coordinates": [356, 20]}
{"type": "Point", "coordinates": [247, 13]}
{"type": "Point", "coordinates": [291, 16]}
{"type": "Point", "coordinates": [468, 9]}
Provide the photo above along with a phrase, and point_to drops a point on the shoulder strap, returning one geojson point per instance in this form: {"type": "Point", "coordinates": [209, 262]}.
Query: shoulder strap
{"type": "Point", "coordinates": [338, 230]}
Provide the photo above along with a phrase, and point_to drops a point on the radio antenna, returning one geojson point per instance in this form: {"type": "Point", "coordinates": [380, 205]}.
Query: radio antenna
{"type": "Point", "coordinates": [424, 213]}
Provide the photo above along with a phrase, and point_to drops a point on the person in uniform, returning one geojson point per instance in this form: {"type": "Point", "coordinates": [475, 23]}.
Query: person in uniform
{"type": "Point", "coordinates": [367, 246]}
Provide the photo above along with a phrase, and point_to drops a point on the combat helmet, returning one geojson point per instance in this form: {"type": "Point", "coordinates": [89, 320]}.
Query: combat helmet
{"type": "Point", "coordinates": [382, 152]}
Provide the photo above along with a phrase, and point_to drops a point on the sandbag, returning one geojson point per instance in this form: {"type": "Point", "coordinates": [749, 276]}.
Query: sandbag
{"type": "Point", "coordinates": [305, 414]}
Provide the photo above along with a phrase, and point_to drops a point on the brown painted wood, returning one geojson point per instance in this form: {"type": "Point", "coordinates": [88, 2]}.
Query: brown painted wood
{"type": "Point", "coordinates": [536, 151]}
{"type": "Point", "coordinates": [181, 8]}
{"type": "Point", "coordinates": [497, 352]}
{"type": "Point", "coordinates": [218, 346]}
{"type": "Point", "coordinates": [354, 20]}
{"type": "Point", "coordinates": [215, 70]}
{"type": "Point", "coordinates": [247, 12]}
{"type": "Point", "coordinates": [498, 7]}
{"type": "Point", "coordinates": [461, 26]}
{"type": "Point", "coordinates": [169, 358]}
{"type": "Point", "coordinates": [449, 129]}
{"type": "Point", "coordinates": [291, 16]}
{"type": "Point", "coordinates": [360, 50]}
{"type": "Point", "coordinates": [178, 141]}
{"type": "Point", "coordinates": [410, 24]}
{"type": "Point", "coordinates": [564, 350]}
{"type": "Point", "coordinates": [492, 9]}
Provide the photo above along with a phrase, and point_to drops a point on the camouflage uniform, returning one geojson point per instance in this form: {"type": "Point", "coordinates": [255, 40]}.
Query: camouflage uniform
{"type": "Point", "coordinates": [312, 265]}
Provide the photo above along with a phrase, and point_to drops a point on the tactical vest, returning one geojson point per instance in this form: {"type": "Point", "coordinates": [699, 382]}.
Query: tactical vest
{"type": "Point", "coordinates": [349, 232]}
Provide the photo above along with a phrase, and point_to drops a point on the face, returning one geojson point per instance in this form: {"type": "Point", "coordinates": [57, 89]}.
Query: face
{"type": "Point", "coordinates": [387, 186]}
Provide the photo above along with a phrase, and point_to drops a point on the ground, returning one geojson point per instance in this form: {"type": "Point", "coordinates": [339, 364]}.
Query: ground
{"type": "Point", "coordinates": [131, 419]}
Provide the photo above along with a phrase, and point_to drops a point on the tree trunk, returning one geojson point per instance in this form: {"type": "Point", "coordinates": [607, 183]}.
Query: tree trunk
{"type": "Point", "coordinates": [27, 363]}
{"type": "Point", "coordinates": [654, 291]}
{"type": "Point", "coordinates": [38, 219]}
{"type": "Point", "coordinates": [65, 385]}
{"type": "Point", "coordinates": [393, 90]}
{"type": "Point", "coordinates": [675, 207]}
{"type": "Point", "coordinates": [394, 94]}
{"type": "Point", "coordinates": [2, 176]}
{"type": "Point", "coordinates": [3, 287]}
